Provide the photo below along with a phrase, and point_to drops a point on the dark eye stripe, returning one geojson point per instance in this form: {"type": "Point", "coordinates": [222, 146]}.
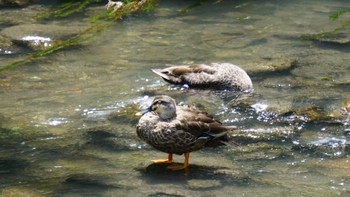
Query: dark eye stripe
{"type": "Point", "coordinates": [159, 102]}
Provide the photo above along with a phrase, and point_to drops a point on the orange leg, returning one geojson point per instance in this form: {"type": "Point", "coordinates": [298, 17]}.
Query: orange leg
{"type": "Point", "coordinates": [181, 167]}
{"type": "Point", "coordinates": [169, 160]}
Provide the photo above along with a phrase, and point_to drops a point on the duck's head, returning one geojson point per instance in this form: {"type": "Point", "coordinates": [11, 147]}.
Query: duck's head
{"type": "Point", "coordinates": [164, 106]}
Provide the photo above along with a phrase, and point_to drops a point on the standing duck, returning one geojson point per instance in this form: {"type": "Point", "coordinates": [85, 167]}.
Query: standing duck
{"type": "Point", "coordinates": [217, 76]}
{"type": "Point", "coordinates": [179, 129]}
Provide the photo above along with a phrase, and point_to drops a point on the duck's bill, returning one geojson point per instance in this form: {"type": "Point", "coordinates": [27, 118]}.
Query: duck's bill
{"type": "Point", "coordinates": [141, 113]}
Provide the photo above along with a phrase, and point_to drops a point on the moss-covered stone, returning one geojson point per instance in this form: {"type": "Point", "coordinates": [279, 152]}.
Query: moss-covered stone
{"type": "Point", "coordinates": [38, 36]}
{"type": "Point", "coordinates": [273, 65]}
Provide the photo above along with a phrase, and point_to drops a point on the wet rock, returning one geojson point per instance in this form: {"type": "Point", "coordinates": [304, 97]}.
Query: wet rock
{"type": "Point", "coordinates": [278, 107]}
{"type": "Point", "coordinates": [163, 194]}
{"type": "Point", "coordinates": [203, 184]}
{"type": "Point", "coordinates": [339, 38]}
{"type": "Point", "coordinates": [156, 41]}
{"type": "Point", "coordinates": [236, 175]}
{"type": "Point", "coordinates": [274, 65]}
{"type": "Point", "coordinates": [109, 138]}
{"type": "Point", "coordinates": [346, 105]}
{"type": "Point", "coordinates": [6, 46]}
{"type": "Point", "coordinates": [21, 191]}
{"type": "Point", "coordinates": [14, 2]}
{"type": "Point", "coordinates": [311, 113]}
{"type": "Point", "coordinates": [263, 134]}
{"type": "Point", "coordinates": [125, 114]}
{"type": "Point", "coordinates": [290, 82]}
{"type": "Point", "coordinates": [4, 43]}
{"type": "Point", "coordinates": [322, 144]}
{"type": "Point", "coordinates": [338, 167]}
{"type": "Point", "coordinates": [36, 43]}
{"type": "Point", "coordinates": [342, 115]}
{"type": "Point", "coordinates": [38, 36]}
{"type": "Point", "coordinates": [259, 151]}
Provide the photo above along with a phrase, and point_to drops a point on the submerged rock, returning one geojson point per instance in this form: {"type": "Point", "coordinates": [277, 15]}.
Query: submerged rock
{"type": "Point", "coordinates": [203, 184]}
{"type": "Point", "coordinates": [109, 138]}
{"type": "Point", "coordinates": [38, 36]}
{"type": "Point", "coordinates": [14, 2]}
{"type": "Point", "coordinates": [258, 151]}
{"type": "Point", "coordinates": [322, 144]}
{"type": "Point", "coordinates": [342, 38]}
{"type": "Point", "coordinates": [263, 134]}
{"type": "Point", "coordinates": [6, 46]}
{"type": "Point", "coordinates": [346, 105]}
{"type": "Point", "coordinates": [125, 114]}
{"type": "Point", "coordinates": [21, 191]}
{"type": "Point", "coordinates": [274, 65]}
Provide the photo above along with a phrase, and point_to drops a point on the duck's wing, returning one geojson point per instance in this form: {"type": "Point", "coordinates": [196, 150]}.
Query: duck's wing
{"type": "Point", "coordinates": [192, 74]}
{"type": "Point", "coordinates": [200, 123]}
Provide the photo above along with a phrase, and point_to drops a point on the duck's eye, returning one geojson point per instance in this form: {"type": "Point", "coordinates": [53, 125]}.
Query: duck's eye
{"type": "Point", "coordinates": [159, 102]}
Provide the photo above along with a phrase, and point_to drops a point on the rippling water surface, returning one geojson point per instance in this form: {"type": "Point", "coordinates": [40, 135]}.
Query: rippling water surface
{"type": "Point", "coordinates": [67, 124]}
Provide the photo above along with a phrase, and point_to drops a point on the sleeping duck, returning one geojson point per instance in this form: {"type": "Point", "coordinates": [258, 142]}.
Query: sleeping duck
{"type": "Point", "coordinates": [217, 76]}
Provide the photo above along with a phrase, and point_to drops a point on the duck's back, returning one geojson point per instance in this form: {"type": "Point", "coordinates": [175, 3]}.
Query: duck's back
{"type": "Point", "coordinates": [219, 76]}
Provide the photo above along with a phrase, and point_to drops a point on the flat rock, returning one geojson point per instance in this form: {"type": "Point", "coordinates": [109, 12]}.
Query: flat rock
{"type": "Point", "coordinates": [38, 36]}
{"type": "Point", "coordinates": [13, 2]}
{"type": "Point", "coordinates": [6, 46]}
{"type": "Point", "coordinates": [273, 65]}
{"type": "Point", "coordinates": [52, 31]}
{"type": "Point", "coordinates": [322, 144]}
{"type": "Point", "coordinates": [203, 184]}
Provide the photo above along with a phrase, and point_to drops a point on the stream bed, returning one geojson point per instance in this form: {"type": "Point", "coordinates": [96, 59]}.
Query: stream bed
{"type": "Point", "coordinates": [67, 124]}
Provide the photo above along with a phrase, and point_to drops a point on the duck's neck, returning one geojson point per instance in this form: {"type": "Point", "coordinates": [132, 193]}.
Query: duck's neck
{"type": "Point", "coordinates": [167, 115]}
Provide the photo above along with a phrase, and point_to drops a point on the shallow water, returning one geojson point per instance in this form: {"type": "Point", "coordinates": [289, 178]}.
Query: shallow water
{"type": "Point", "coordinates": [69, 130]}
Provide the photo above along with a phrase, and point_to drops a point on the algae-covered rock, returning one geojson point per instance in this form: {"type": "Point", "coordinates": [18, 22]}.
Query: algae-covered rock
{"type": "Point", "coordinates": [125, 113]}
{"type": "Point", "coordinates": [312, 113]}
{"type": "Point", "coordinates": [203, 184]}
{"type": "Point", "coordinates": [274, 65]}
{"type": "Point", "coordinates": [5, 43]}
{"type": "Point", "coordinates": [6, 46]}
{"type": "Point", "coordinates": [14, 2]}
{"type": "Point", "coordinates": [346, 105]}
{"type": "Point", "coordinates": [341, 38]}
{"type": "Point", "coordinates": [21, 191]}
{"type": "Point", "coordinates": [108, 137]}
{"type": "Point", "coordinates": [38, 36]}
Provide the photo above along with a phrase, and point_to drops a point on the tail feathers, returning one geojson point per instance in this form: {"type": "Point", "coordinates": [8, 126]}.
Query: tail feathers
{"type": "Point", "coordinates": [230, 143]}
{"type": "Point", "coordinates": [212, 136]}
{"type": "Point", "coordinates": [231, 127]}
{"type": "Point", "coordinates": [161, 73]}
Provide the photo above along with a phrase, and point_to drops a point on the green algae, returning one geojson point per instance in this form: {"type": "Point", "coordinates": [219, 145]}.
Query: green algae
{"type": "Point", "coordinates": [99, 22]}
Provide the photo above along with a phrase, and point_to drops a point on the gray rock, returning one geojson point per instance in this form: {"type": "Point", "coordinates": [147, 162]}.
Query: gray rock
{"type": "Point", "coordinates": [274, 65]}
{"type": "Point", "coordinates": [6, 46]}
{"type": "Point", "coordinates": [38, 36]}
{"type": "Point", "coordinates": [322, 144]}
{"type": "Point", "coordinates": [203, 184]}
{"type": "Point", "coordinates": [14, 2]}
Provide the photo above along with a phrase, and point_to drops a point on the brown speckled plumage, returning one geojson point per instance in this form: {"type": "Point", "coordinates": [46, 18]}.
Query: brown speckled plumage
{"type": "Point", "coordinates": [217, 76]}
{"type": "Point", "coordinates": [179, 129]}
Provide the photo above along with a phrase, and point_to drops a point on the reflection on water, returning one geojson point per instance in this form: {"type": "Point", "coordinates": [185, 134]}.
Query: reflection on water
{"type": "Point", "coordinates": [67, 121]}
